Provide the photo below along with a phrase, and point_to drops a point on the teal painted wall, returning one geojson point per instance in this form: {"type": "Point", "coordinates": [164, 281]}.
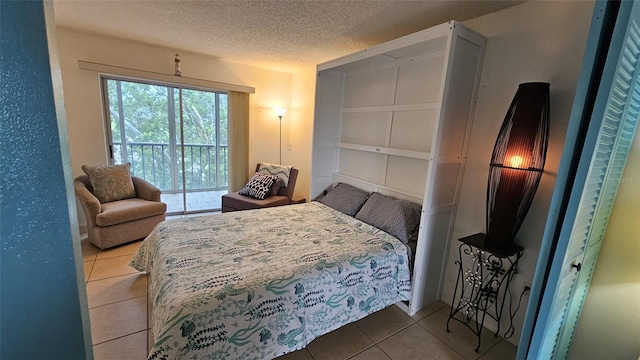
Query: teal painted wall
{"type": "Point", "coordinates": [40, 307]}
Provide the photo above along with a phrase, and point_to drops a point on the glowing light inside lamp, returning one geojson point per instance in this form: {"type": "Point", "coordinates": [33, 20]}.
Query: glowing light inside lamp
{"type": "Point", "coordinates": [280, 112]}
{"type": "Point", "coordinates": [515, 162]}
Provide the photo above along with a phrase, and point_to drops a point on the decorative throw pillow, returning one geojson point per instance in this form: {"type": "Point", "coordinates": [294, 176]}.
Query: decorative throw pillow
{"type": "Point", "coordinates": [111, 183]}
{"type": "Point", "coordinates": [396, 217]}
{"type": "Point", "coordinates": [258, 186]}
{"type": "Point", "coordinates": [275, 187]}
{"type": "Point", "coordinates": [345, 198]}
{"type": "Point", "coordinates": [281, 171]}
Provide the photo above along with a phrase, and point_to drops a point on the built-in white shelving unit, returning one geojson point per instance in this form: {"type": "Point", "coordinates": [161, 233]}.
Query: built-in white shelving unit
{"type": "Point", "coordinates": [396, 119]}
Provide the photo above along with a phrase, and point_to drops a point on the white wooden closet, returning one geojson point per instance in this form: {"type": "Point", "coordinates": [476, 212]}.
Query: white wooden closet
{"type": "Point", "coordinates": [396, 118]}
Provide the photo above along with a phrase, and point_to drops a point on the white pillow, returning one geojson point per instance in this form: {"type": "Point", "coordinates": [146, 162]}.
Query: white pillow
{"type": "Point", "coordinates": [281, 171]}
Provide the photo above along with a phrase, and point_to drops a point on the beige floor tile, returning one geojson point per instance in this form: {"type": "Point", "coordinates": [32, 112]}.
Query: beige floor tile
{"type": "Point", "coordinates": [127, 249]}
{"type": "Point", "coordinates": [460, 338]}
{"type": "Point", "coordinates": [384, 323]}
{"type": "Point", "coordinates": [111, 267]}
{"type": "Point", "coordinates": [341, 343]}
{"type": "Point", "coordinates": [428, 310]}
{"type": "Point", "coordinates": [149, 340]}
{"type": "Point", "coordinates": [119, 288]}
{"type": "Point", "coordinates": [89, 251]}
{"type": "Point", "coordinates": [503, 350]}
{"type": "Point", "coordinates": [88, 266]}
{"type": "Point", "coordinates": [131, 347]}
{"type": "Point", "coordinates": [296, 355]}
{"type": "Point", "coordinates": [123, 318]}
{"type": "Point", "coordinates": [372, 353]}
{"type": "Point", "coordinates": [415, 342]}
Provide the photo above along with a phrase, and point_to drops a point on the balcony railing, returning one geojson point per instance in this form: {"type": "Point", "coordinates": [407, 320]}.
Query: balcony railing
{"type": "Point", "coordinates": [160, 163]}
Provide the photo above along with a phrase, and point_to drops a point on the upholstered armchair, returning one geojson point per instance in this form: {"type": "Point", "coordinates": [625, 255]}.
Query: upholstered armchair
{"type": "Point", "coordinates": [122, 221]}
{"type": "Point", "coordinates": [236, 202]}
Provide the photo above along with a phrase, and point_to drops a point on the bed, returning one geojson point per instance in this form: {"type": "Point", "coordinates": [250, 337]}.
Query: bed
{"type": "Point", "coordinates": [261, 283]}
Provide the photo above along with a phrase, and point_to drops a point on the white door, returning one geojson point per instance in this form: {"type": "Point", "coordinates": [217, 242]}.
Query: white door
{"type": "Point", "coordinates": [601, 163]}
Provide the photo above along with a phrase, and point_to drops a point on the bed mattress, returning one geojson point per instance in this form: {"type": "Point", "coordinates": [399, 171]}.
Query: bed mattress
{"type": "Point", "coordinates": [257, 284]}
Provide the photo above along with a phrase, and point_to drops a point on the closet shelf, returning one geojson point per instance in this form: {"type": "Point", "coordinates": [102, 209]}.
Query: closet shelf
{"type": "Point", "coordinates": [387, 151]}
{"type": "Point", "coordinates": [400, 107]}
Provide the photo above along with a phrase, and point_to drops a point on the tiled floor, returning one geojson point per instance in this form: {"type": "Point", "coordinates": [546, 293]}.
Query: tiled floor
{"type": "Point", "coordinates": [118, 314]}
{"type": "Point", "coordinates": [196, 201]}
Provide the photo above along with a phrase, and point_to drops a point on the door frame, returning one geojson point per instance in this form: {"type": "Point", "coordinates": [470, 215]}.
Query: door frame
{"type": "Point", "coordinates": [175, 128]}
{"type": "Point", "coordinates": [605, 41]}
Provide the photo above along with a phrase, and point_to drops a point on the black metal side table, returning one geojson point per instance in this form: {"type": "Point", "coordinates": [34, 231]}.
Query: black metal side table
{"type": "Point", "coordinates": [478, 285]}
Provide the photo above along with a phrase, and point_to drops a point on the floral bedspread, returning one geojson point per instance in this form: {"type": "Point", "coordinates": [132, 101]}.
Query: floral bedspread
{"type": "Point", "coordinates": [261, 283]}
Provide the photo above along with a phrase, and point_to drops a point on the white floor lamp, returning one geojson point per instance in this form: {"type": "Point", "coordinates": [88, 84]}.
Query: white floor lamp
{"type": "Point", "coordinates": [280, 113]}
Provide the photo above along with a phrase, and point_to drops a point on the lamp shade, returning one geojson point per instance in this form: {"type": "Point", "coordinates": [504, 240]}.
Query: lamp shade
{"type": "Point", "coordinates": [280, 112]}
{"type": "Point", "coordinates": [517, 162]}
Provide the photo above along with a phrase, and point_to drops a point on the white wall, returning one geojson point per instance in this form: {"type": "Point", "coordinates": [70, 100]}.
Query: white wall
{"type": "Point", "coordinates": [273, 89]}
{"type": "Point", "coordinates": [301, 127]}
{"type": "Point", "coordinates": [609, 326]}
{"type": "Point", "coordinates": [538, 41]}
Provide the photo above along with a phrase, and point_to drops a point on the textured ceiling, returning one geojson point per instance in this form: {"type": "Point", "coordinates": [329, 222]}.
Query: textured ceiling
{"type": "Point", "coordinates": [280, 35]}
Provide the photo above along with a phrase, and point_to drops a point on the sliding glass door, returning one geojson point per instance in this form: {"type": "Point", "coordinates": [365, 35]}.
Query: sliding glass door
{"type": "Point", "coordinates": [175, 138]}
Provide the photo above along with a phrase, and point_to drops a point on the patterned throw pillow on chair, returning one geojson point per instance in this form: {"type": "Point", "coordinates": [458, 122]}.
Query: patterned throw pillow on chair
{"type": "Point", "coordinates": [111, 182]}
{"type": "Point", "coordinates": [281, 171]}
{"type": "Point", "coordinates": [258, 186]}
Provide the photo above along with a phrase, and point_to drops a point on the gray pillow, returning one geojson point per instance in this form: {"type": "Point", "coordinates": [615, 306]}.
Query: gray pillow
{"type": "Point", "coordinates": [273, 191]}
{"type": "Point", "coordinates": [398, 218]}
{"type": "Point", "coordinates": [345, 198]}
